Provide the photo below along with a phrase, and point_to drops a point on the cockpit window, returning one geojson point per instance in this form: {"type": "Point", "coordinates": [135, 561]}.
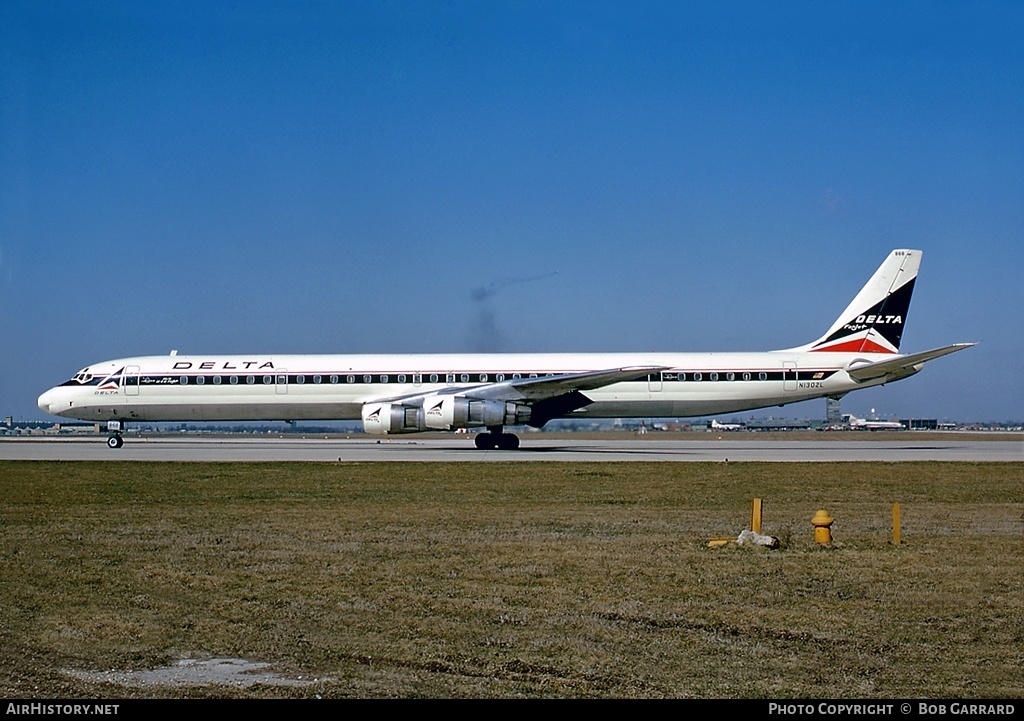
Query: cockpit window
{"type": "Point", "coordinates": [82, 376]}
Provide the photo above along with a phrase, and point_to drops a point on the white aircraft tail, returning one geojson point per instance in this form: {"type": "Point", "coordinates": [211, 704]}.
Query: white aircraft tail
{"type": "Point", "coordinates": [874, 320]}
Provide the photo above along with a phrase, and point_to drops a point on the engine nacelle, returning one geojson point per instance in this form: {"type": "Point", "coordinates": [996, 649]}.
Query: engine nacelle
{"type": "Point", "coordinates": [441, 413]}
{"type": "Point", "coordinates": [450, 412]}
{"type": "Point", "coordinates": [384, 418]}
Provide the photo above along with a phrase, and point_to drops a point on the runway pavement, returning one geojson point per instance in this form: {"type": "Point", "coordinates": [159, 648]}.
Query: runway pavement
{"type": "Point", "coordinates": [534, 448]}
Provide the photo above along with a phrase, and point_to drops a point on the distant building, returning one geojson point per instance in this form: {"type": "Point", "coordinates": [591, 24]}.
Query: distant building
{"type": "Point", "coordinates": [920, 424]}
{"type": "Point", "coordinates": [777, 424]}
{"type": "Point", "coordinates": [833, 412]}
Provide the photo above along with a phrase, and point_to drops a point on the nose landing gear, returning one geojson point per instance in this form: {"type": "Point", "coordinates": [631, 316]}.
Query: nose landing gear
{"type": "Point", "coordinates": [114, 428]}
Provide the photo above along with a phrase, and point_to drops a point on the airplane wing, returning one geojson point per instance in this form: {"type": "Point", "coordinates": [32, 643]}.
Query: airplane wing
{"type": "Point", "coordinates": [529, 390]}
{"type": "Point", "coordinates": [535, 389]}
{"type": "Point", "coordinates": [903, 365]}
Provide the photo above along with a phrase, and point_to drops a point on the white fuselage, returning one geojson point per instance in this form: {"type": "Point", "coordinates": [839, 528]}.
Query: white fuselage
{"type": "Point", "coordinates": [336, 387]}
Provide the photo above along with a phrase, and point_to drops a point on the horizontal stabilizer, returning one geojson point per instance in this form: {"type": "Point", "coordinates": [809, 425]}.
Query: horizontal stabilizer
{"type": "Point", "coordinates": [903, 365]}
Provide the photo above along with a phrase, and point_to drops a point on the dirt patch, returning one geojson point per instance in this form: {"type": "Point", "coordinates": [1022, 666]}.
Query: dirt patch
{"type": "Point", "coordinates": [236, 672]}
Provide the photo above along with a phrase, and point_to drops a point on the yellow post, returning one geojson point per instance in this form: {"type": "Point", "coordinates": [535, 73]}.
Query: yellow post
{"type": "Point", "coordinates": [822, 523]}
{"type": "Point", "coordinates": [755, 516]}
{"type": "Point", "coordinates": [896, 524]}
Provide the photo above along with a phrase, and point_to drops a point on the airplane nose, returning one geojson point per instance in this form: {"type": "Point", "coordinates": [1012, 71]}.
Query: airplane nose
{"type": "Point", "coordinates": [46, 400]}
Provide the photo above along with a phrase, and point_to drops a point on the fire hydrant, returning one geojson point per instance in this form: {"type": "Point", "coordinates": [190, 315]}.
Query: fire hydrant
{"type": "Point", "coordinates": [822, 523]}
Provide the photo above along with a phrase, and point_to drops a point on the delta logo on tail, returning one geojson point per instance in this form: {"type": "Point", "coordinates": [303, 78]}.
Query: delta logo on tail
{"type": "Point", "coordinates": [874, 321]}
{"type": "Point", "coordinates": [877, 330]}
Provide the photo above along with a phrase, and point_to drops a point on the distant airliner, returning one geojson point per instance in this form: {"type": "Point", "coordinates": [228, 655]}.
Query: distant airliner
{"type": "Point", "coordinates": [725, 426]}
{"type": "Point", "coordinates": [409, 393]}
{"type": "Point", "coordinates": [870, 425]}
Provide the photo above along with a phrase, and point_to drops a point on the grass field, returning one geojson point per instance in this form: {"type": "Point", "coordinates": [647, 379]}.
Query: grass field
{"type": "Point", "coordinates": [514, 580]}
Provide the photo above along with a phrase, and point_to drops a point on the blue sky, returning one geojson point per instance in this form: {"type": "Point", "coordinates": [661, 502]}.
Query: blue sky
{"type": "Point", "coordinates": [521, 176]}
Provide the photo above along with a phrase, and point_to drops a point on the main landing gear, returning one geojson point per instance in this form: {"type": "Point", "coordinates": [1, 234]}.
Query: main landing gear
{"type": "Point", "coordinates": [494, 438]}
{"type": "Point", "coordinates": [114, 428]}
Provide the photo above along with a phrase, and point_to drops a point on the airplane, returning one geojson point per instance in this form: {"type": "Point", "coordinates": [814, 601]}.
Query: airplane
{"type": "Point", "coordinates": [725, 426]}
{"type": "Point", "coordinates": [862, 424]}
{"type": "Point", "coordinates": [394, 394]}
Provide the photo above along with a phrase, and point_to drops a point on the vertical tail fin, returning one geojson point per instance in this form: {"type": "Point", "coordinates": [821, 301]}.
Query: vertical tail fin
{"type": "Point", "coordinates": [874, 320]}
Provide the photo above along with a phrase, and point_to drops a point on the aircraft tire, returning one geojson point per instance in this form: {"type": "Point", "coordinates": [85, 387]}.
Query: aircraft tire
{"type": "Point", "coordinates": [485, 441]}
{"type": "Point", "coordinates": [115, 442]}
{"type": "Point", "coordinates": [508, 441]}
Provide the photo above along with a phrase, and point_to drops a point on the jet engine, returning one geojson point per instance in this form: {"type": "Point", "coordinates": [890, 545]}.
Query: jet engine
{"type": "Point", "coordinates": [451, 412]}
{"type": "Point", "coordinates": [439, 412]}
{"type": "Point", "coordinates": [384, 418]}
